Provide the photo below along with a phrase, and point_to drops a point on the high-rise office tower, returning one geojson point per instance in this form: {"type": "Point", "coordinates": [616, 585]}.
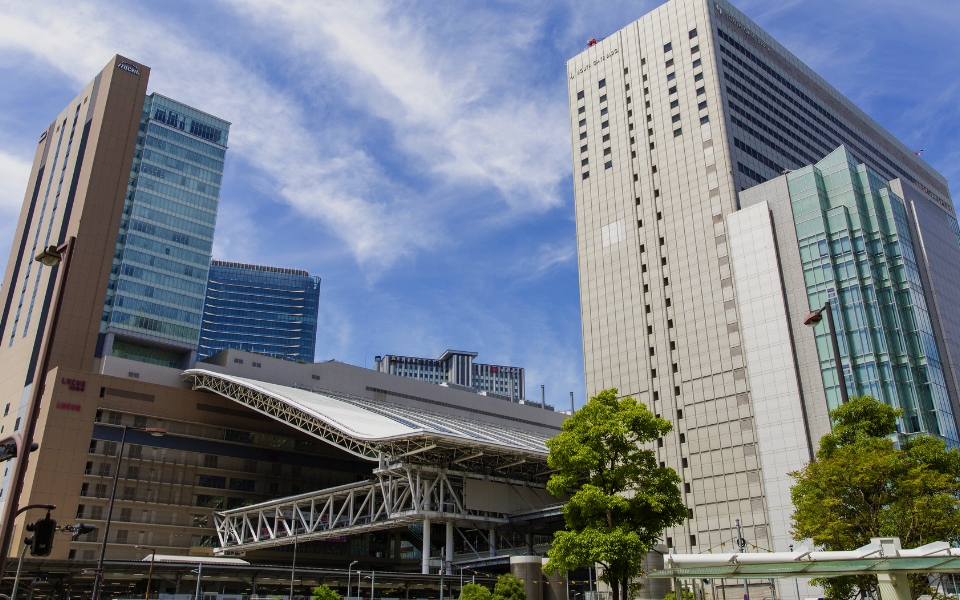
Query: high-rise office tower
{"type": "Point", "coordinates": [159, 274]}
{"type": "Point", "coordinates": [268, 310]}
{"type": "Point", "coordinates": [672, 117]}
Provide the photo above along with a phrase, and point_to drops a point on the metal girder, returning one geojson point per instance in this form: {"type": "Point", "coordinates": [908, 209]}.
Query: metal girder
{"type": "Point", "coordinates": [424, 448]}
{"type": "Point", "coordinates": [276, 408]}
{"type": "Point", "coordinates": [399, 496]}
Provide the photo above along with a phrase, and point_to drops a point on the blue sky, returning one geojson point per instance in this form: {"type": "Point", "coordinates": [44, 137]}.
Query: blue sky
{"type": "Point", "coordinates": [416, 155]}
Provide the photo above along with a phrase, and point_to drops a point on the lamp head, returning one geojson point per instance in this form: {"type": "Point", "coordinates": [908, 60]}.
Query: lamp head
{"type": "Point", "coordinates": [814, 318]}
{"type": "Point", "coordinates": [155, 431]}
{"type": "Point", "coordinates": [49, 257]}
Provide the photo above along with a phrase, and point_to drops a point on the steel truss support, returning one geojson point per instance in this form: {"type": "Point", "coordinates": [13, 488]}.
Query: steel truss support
{"type": "Point", "coordinates": [401, 494]}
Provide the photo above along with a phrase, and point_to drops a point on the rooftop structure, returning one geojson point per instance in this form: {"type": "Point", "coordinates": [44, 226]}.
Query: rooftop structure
{"type": "Point", "coordinates": [457, 368]}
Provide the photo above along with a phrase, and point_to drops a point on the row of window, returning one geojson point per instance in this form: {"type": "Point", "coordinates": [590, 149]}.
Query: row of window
{"type": "Point", "coordinates": [158, 294]}
{"type": "Point", "coordinates": [168, 235]}
{"type": "Point", "coordinates": [810, 101]}
{"type": "Point", "coordinates": [174, 207]}
{"type": "Point", "coordinates": [167, 219]}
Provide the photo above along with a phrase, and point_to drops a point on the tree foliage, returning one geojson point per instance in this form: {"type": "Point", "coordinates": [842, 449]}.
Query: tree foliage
{"type": "Point", "coordinates": [621, 499]}
{"type": "Point", "coordinates": [862, 485]}
{"type": "Point", "coordinates": [323, 592]}
{"type": "Point", "coordinates": [474, 591]}
{"type": "Point", "coordinates": [509, 587]}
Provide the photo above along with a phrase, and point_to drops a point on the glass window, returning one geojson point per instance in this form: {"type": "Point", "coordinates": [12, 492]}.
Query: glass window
{"type": "Point", "coordinates": [603, 98]}
{"type": "Point", "coordinates": [671, 76]}
{"type": "Point", "coordinates": [668, 47]}
{"type": "Point", "coordinates": [580, 95]}
{"type": "Point", "coordinates": [697, 63]}
{"type": "Point", "coordinates": [581, 110]}
{"type": "Point", "coordinates": [698, 77]}
{"type": "Point", "coordinates": [669, 63]}
{"type": "Point", "coordinates": [603, 111]}
{"type": "Point", "coordinates": [676, 118]}
{"type": "Point", "coordinates": [584, 162]}
{"type": "Point", "coordinates": [702, 105]}
{"type": "Point", "coordinates": [675, 104]}
{"type": "Point", "coordinates": [672, 90]}
{"type": "Point", "coordinates": [583, 122]}
{"type": "Point", "coordinates": [586, 174]}
{"type": "Point", "coordinates": [583, 148]}
{"type": "Point", "coordinates": [677, 132]}
{"type": "Point", "coordinates": [704, 119]}
{"type": "Point", "coordinates": [606, 137]}
{"type": "Point", "coordinates": [608, 165]}
{"type": "Point", "coordinates": [602, 84]}
{"type": "Point", "coordinates": [693, 33]}
{"type": "Point", "coordinates": [695, 49]}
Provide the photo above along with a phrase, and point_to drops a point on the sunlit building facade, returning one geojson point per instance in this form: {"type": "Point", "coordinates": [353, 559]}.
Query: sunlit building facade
{"type": "Point", "coordinates": [158, 280]}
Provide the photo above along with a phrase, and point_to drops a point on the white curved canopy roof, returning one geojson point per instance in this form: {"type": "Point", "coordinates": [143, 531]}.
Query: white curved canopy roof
{"type": "Point", "coordinates": [371, 429]}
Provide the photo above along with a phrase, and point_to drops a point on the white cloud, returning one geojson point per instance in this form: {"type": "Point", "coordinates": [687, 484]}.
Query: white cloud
{"type": "Point", "coordinates": [440, 121]}
{"type": "Point", "coordinates": [14, 172]}
{"type": "Point", "coordinates": [450, 91]}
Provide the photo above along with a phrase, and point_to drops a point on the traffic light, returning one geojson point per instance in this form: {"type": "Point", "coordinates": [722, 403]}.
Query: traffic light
{"type": "Point", "coordinates": [8, 449]}
{"type": "Point", "coordinates": [43, 532]}
{"type": "Point", "coordinates": [81, 529]}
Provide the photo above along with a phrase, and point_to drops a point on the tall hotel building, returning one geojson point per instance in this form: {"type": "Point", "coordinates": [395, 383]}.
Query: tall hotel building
{"type": "Point", "coordinates": [687, 304]}
{"type": "Point", "coordinates": [267, 310]}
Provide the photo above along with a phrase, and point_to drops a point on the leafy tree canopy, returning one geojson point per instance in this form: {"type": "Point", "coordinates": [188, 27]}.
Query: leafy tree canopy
{"type": "Point", "coordinates": [509, 587]}
{"type": "Point", "coordinates": [474, 591]}
{"type": "Point", "coordinates": [621, 500]}
{"type": "Point", "coordinates": [323, 592]}
{"type": "Point", "coordinates": [863, 485]}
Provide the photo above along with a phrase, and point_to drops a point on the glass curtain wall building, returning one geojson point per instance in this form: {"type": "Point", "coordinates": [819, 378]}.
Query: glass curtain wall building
{"type": "Point", "coordinates": [267, 310]}
{"type": "Point", "coordinates": [158, 280]}
{"type": "Point", "coordinates": [857, 252]}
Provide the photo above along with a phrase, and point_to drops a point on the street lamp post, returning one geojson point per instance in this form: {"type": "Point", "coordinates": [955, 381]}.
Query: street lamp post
{"type": "Point", "coordinates": [50, 257]}
{"type": "Point", "coordinates": [348, 577]}
{"type": "Point", "coordinates": [812, 320]}
{"type": "Point", "coordinates": [153, 556]}
{"type": "Point", "coordinates": [98, 575]}
{"type": "Point", "coordinates": [293, 568]}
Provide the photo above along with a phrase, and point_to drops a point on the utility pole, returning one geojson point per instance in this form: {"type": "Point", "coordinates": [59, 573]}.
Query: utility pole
{"type": "Point", "coordinates": [741, 543]}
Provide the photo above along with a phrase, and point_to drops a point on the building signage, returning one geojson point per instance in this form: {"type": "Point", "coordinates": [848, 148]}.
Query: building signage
{"type": "Point", "coordinates": [75, 385]}
{"type": "Point", "coordinates": [68, 406]}
{"type": "Point", "coordinates": [595, 62]}
{"type": "Point", "coordinates": [129, 68]}
{"type": "Point", "coordinates": [742, 27]}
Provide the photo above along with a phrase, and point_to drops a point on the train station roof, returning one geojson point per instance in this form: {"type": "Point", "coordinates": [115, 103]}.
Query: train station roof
{"type": "Point", "coordinates": [375, 430]}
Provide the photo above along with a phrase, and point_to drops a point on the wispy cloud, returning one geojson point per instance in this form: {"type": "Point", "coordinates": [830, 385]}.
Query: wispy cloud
{"type": "Point", "coordinates": [447, 124]}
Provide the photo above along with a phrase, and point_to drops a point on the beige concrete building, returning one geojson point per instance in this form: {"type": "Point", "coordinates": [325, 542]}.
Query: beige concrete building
{"type": "Point", "coordinates": [671, 118]}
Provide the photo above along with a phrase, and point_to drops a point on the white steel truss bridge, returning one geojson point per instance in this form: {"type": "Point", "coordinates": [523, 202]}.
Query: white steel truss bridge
{"type": "Point", "coordinates": [401, 495]}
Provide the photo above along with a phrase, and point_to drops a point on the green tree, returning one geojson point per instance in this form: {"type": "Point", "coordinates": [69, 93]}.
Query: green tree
{"type": "Point", "coordinates": [621, 500]}
{"type": "Point", "coordinates": [323, 592]}
{"type": "Point", "coordinates": [684, 595]}
{"type": "Point", "coordinates": [474, 591]}
{"type": "Point", "coordinates": [862, 485]}
{"type": "Point", "coordinates": [509, 587]}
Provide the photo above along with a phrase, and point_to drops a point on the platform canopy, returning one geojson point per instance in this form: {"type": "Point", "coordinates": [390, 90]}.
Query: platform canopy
{"type": "Point", "coordinates": [882, 557]}
{"type": "Point", "coordinates": [385, 431]}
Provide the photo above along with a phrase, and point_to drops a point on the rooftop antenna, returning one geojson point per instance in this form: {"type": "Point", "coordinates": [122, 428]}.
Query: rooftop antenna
{"type": "Point", "coordinates": [543, 397]}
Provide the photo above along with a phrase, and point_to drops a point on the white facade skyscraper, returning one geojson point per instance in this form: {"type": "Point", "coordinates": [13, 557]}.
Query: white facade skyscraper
{"type": "Point", "coordinates": [672, 117]}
